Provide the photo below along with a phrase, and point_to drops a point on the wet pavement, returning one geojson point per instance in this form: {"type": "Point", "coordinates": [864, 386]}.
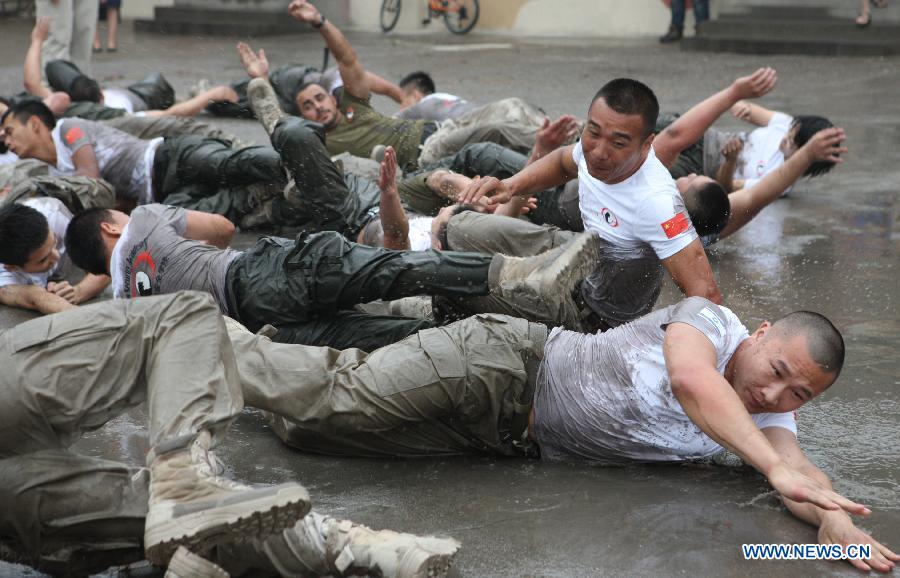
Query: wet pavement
{"type": "Point", "coordinates": [831, 247]}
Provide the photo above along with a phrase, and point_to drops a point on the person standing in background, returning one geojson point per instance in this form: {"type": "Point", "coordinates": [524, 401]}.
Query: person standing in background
{"type": "Point", "coordinates": [109, 11]}
{"type": "Point", "coordinates": [72, 24]}
{"type": "Point", "coordinates": [676, 29]}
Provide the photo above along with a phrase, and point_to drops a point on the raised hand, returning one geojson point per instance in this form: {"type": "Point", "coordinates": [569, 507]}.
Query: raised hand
{"type": "Point", "coordinates": [757, 84]}
{"type": "Point", "coordinates": [303, 11]}
{"type": "Point", "coordinates": [732, 149]}
{"type": "Point", "coordinates": [387, 182]}
{"type": "Point", "coordinates": [41, 29]}
{"type": "Point", "coordinates": [553, 135]}
{"type": "Point", "coordinates": [742, 110]}
{"type": "Point", "coordinates": [256, 65]}
{"type": "Point", "coordinates": [796, 486]}
{"type": "Point", "coordinates": [825, 145]}
{"type": "Point", "coordinates": [493, 188]}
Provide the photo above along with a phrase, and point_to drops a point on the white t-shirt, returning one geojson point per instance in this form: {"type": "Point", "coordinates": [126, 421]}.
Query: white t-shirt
{"type": "Point", "coordinates": [641, 220]}
{"type": "Point", "coordinates": [762, 150]}
{"type": "Point", "coordinates": [607, 397]}
{"type": "Point", "coordinates": [58, 217]}
{"type": "Point", "coordinates": [8, 158]}
{"type": "Point", "coordinates": [116, 98]}
{"type": "Point", "coordinates": [420, 233]}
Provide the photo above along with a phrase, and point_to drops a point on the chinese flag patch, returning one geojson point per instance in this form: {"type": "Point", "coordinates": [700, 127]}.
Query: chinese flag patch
{"type": "Point", "coordinates": [73, 134]}
{"type": "Point", "coordinates": [676, 225]}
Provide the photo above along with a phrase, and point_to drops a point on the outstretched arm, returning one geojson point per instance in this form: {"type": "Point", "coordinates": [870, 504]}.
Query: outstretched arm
{"type": "Point", "coordinates": [714, 406]}
{"type": "Point", "coordinates": [88, 288]}
{"type": "Point", "coordinates": [32, 297]}
{"type": "Point", "coordinates": [690, 126]}
{"type": "Point", "coordinates": [384, 87]}
{"type": "Point", "coordinates": [352, 71]}
{"type": "Point", "coordinates": [752, 113]}
{"type": "Point", "coordinates": [690, 270]}
{"type": "Point", "coordinates": [835, 527]}
{"type": "Point", "coordinates": [31, 71]}
{"type": "Point", "coordinates": [731, 151]}
{"type": "Point", "coordinates": [393, 218]}
{"type": "Point", "coordinates": [825, 145]}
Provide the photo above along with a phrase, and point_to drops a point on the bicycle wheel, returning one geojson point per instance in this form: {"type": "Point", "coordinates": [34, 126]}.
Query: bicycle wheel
{"type": "Point", "coordinates": [390, 14]}
{"type": "Point", "coordinates": [461, 15]}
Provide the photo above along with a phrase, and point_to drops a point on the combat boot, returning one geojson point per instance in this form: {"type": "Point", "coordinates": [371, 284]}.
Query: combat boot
{"type": "Point", "coordinates": [542, 287]}
{"type": "Point", "coordinates": [191, 505]}
{"type": "Point", "coordinates": [264, 103]}
{"type": "Point", "coordinates": [356, 549]}
{"type": "Point", "coordinates": [186, 564]}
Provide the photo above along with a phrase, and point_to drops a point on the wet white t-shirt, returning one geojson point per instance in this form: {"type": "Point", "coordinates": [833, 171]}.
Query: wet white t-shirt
{"type": "Point", "coordinates": [420, 233]}
{"type": "Point", "coordinates": [58, 217]}
{"type": "Point", "coordinates": [762, 150]}
{"type": "Point", "coordinates": [8, 158]}
{"type": "Point", "coordinates": [607, 398]}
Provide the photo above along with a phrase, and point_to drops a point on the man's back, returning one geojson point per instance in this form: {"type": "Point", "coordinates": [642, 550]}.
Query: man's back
{"type": "Point", "coordinates": [152, 258]}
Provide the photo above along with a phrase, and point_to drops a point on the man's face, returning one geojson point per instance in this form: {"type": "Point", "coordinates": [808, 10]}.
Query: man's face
{"type": "Point", "coordinates": [317, 105]}
{"type": "Point", "coordinates": [24, 139]}
{"type": "Point", "coordinates": [788, 147]}
{"type": "Point", "coordinates": [691, 180]}
{"type": "Point", "coordinates": [43, 258]}
{"type": "Point", "coordinates": [613, 143]}
{"type": "Point", "coordinates": [775, 373]}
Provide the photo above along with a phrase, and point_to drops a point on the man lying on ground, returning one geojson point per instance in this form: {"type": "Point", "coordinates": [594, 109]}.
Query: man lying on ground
{"type": "Point", "coordinates": [67, 513]}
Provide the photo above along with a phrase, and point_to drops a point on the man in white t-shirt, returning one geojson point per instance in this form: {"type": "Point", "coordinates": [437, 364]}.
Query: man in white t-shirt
{"type": "Point", "coordinates": [32, 256]}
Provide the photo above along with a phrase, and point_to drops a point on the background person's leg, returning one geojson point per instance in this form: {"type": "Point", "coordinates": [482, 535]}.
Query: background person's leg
{"type": "Point", "coordinates": [58, 43]}
{"type": "Point", "coordinates": [351, 330]}
{"type": "Point", "coordinates": [84, 23]}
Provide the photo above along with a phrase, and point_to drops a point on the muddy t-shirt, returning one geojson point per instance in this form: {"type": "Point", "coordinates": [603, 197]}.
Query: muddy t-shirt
{"type": "Point", "coordinates": [607, 398]}
{"type": "Point", "coordinates": [152, 258]}
{"type": "Point", "coordinates": [362, 127]}
{"type": "Point", "coordinates": [125, 161]}
{"type": "Point", "coordinates": [438, 107]}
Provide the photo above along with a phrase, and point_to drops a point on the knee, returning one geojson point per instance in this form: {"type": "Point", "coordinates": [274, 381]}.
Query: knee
{"type": "Point", "coordinates": [293, 131]}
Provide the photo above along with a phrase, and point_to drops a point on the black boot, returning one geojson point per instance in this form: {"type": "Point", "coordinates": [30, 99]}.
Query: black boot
{"type": "Point", "coordinates": [673, 35]}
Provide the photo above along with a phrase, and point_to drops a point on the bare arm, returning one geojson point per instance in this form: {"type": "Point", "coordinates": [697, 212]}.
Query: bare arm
{"type": "Point", "coordinates": [393, 218]}
{"type": "Point", "coordinates": [825, 145]}
{"type": "Point", "coordinates": [90, 286]}
{"type": "Point", "coordinates": [32, 297]}
{"type": "Point", "coordinates": [690, 126]}
{"type": "Point", "coordinates": [712, 404]}
{"type": "Point", "coordinates": [213, 229]}
{"type": "Point", "coordinates": [835, 527]}
{"type": "Point", "coordinates": [352, 71]}
{"type": "Point", "coordinates": [384, 87]}
{"type": "Point", "coordinates": [752, 113]}
{"type": "Point", "coordinates": [690, 270]}
{"type": "Point", "coordinates": [31, 71]}
{"type": "Point", "coordinates": [85, 162]}
{"type": "Point", "coordinates": [731, 151]}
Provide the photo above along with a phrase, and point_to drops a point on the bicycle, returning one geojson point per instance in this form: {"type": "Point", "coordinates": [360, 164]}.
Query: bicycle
{"type": "Point", "coordinates": [460, 16]}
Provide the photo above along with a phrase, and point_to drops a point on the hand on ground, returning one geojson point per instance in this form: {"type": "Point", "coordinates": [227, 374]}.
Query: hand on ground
{"type": "Point", "coordinates": [841, 530]}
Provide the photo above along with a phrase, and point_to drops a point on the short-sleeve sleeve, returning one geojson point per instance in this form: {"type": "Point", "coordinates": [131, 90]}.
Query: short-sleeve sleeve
{"type": "Point", "coordinates": [664, 224]}
{"type": "Point", "coordinates": [704, 316]}
{"type": "Point", "coordinates": [787, 420]}
{"type": "Point", "coordinates": [174, 217]}
{"type": "Point", "coordinates": [8, 277]}
{"type": "Point", "coordinates": [780, 122]}
{"type": "Point", "coordinates": [577, 153]}
{"type": "Point", "coordinates": [73, 134]}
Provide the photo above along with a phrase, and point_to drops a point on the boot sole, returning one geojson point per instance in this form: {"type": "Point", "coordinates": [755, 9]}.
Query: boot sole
{"type": "Point", "coordinates": [255, 514]}
{"type": "Point", "coordinates": [431, 559]}
{"type": "Point", "coordinates": [575, 263]}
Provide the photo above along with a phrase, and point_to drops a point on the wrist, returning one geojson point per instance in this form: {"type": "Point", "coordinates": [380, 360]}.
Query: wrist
{"type": "Point", "coordinates": [320, 21]}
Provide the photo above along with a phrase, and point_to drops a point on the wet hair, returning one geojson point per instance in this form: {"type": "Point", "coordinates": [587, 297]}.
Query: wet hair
{"type": "Point", "coordinates": [442, 230]}
{"type": "Point", "coordinates": [807, 127]}
{"type": "Point", "coordinates": [628, 96]}
{"type": "Point", "coordinates": [23, 231]}
{"type": "Point", "coordinates": [26, 109]}
{"type": "Point", "coordinates": [825, 343]}
{"type": "Point", "coordinates": [84, 243]}
{"type": "Point", "coordinates": [84, 89]}
{"type": "Point", "coordinates": [708, 207]}
{"type": "Point", "coordinates": [306, 85]}
{"type": "Point", "coordinates": [419, 80]}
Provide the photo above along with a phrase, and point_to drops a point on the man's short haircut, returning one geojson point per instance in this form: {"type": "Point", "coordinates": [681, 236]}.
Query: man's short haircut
{"type": "Point", "coordinates": [628, 96]}
{"type": "Point", "coordinates": [708, 207]}
{"type": "Point", "coordinates": [826, 345]}
{"type": "Point", "coordinates": [419, 80]}
{"type": "Point", "coordinates": [84, 89]}
{"type": "Point", "coordinates": [84, 243]}
{"type": "Point", "coordinates": [23, 231]}
{"type": "Point", "coordinates": [306, 85]}
{"type": "Point", "coordinates": [442, 230]}
{"type": "Point", "coordinates": [26, 109]}
{"type": "Point", "coordinates": [807, 127]}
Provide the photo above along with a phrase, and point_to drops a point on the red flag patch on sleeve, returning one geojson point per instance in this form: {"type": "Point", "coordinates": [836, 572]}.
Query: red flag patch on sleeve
{"type": "Point", "coordinates": [676, 225]}
{"type": "Point", "coordinates": [73, 134]}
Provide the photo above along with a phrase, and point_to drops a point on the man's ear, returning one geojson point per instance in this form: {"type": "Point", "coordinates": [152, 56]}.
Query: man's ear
{"type": "Point", "coordinates": [648, 141]}
{"type": "Point", "coordinates": [761, 331]}
{"type": "Point", "coordinates": [111, 229]}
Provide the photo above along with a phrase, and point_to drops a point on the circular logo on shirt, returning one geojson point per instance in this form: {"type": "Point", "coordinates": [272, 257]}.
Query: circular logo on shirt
{"type": "Point", "coordinates": [608, 216]}
{"type": "Point", "coordinates": [143, 273]}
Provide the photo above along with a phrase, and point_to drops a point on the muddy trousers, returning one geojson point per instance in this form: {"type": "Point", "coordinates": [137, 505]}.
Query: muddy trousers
{"type": "Point", "coordinates": [463, 388]}
{"type": "Point", "coordinates": [305, 288]}
{"type": "Point", "coordinates": [69, 514]}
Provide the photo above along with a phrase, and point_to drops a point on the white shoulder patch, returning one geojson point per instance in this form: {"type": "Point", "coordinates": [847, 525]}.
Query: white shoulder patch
{"type": "Point", "coordinates": [714, 320]}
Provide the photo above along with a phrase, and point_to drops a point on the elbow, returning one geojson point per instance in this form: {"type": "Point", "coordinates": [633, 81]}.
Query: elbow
{"type": "Point", "coordinates": [226, 232]}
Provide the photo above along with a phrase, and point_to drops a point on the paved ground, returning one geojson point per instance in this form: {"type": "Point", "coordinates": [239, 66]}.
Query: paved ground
{"type": "Point", "coordinates": [832, 246]}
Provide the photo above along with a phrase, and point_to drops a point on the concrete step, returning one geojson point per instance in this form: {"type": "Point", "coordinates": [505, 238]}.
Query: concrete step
{"type": "Point", "coordinates": [192, 20]}
{"type": "Point", "coordinates": [834, 47]}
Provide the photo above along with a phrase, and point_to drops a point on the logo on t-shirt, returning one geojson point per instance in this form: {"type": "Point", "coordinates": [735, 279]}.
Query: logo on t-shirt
{"type": "Point", "coordinates": [349, 114]}
{"type": "Point", "coordinates": [73, 134]}
{"type": "Point", "coordinates": [676, 225]}
{"type": "Point", "coordinates": [713, 319]}
{"type": "Point", "coordinates": [609, 217]}
{"type": "Point", "coordinates": [143, 272]}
